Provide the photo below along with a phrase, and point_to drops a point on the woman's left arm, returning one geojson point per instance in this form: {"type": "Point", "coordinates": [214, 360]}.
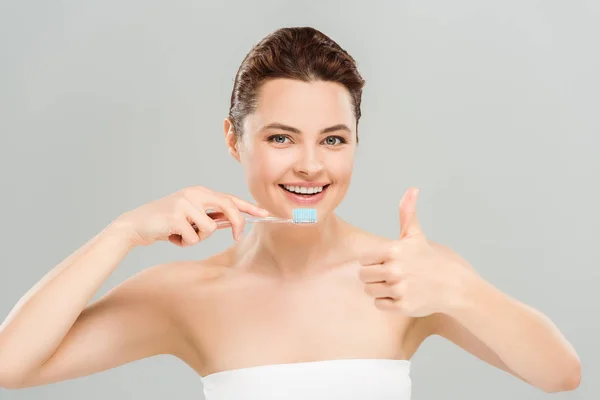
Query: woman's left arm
{"type": "Point", "coordinates": [505, 332]}
{"type": "Point", "coordinates": [444, 294]}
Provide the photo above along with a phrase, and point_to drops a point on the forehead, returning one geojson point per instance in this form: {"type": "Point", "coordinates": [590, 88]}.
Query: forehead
{"type": "Point", "coordinates": [308, 106]}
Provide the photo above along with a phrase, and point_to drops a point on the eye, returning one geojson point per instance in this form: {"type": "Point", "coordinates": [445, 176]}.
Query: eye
{"type": "Point", "coordinates": [279, 139]}
{"type": "Point", "coordinates": [331, 140]}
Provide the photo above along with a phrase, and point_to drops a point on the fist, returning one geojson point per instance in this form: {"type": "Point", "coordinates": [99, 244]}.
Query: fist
{"type": "Point", "coordinates": [409, 275]}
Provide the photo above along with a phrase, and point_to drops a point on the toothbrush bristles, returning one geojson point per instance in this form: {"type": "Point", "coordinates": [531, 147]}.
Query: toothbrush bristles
{"type": "Point", "coordinates": [304, 216]}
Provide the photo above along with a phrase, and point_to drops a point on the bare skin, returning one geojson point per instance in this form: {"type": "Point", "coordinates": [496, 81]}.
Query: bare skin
{"type": "Point", "coordinates": [252, 317]}
{"type": "Point", "coordinates": [281, 294]}
{"type": "Point", "coordinates": [222, 313]}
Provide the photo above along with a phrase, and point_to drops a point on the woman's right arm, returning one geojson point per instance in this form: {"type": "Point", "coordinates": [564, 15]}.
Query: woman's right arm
{"type": "Point", "coordinates": [47, 337]}
{"type": "Point", "coordinates": [53, 335]}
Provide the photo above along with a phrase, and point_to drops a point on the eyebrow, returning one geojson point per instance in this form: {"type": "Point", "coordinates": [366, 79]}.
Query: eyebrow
{"type": "Point", "coordinates": [334, 128]}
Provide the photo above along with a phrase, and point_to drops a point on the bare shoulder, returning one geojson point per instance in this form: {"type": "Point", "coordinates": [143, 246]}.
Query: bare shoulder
{"type": "Point", "coordinates": [159, 298]}
{"type": "Point", "coordinates": [157, 291]}
{"type": "Point", "coordinates": [166, 279]}
{"type": "Point", "coordinates": [365, 239]}
{"type": "Point", "coordinates": [136, 319]}
{"type": "Point", "coordinates": [361, 240]}
{"type": "Point", "coordinates": [176, 272]}
{"type": "Point", "coordinates": [450, 254]}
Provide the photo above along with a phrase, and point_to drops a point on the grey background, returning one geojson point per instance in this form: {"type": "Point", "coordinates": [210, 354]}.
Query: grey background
{"type": "Point", "coordinates": [489, 107]}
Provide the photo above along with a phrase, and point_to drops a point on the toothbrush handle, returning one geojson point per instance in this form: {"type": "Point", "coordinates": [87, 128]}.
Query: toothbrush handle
{"type": "Point", "coordinates": [226, 223]}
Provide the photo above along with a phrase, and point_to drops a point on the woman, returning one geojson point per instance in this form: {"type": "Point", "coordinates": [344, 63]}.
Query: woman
{"type": "Point", "coordinates": [315, 311]}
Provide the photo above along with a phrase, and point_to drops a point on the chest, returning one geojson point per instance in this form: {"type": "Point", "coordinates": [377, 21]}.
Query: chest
{"type": "Point", "coordinates": [243, 321]}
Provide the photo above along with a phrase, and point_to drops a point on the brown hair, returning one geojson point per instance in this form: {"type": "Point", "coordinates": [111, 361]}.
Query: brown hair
{"type": "Point", "coordinates": [301, 53]}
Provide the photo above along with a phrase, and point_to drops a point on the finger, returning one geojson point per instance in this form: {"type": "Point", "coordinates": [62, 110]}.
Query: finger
{"type": "Point", "coordinates": [380, 290]}
{"type": "Point", "coordinates": [248, 207]}
{"type": "Point", "coordinates": [231, 213]}
{"type": "Point", "coordinates": [409, 223]}
{"type": "Point", "coordinates": [386, 290]}
{"type": "Point", "coordinates": [386, 304]}
{"type": "Point", "coordinates": [219, 217]}
{"type": "Point", "coordinates": [372, 273]}
{"type": "Point", "coordinates": [380, 273]}
{"type": "Point", "coordinates": [380, 254]}
{"type": "Point", "coordinates": [183, 234]}
{"type": "Point", "coordinates": [375, 258]}
{"type": "Point", "coordinates": [202, 224]}
{"type": "Point", "coordinates": [216, 216]}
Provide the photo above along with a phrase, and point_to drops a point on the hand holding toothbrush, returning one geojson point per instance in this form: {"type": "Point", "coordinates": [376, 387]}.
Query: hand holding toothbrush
{"type": "Point", "coordinates": [182, 218]}
{"type": "Point", "coordinates": [410, 275]}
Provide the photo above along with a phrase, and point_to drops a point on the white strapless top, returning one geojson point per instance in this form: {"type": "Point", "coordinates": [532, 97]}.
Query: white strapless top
{"type": "Point", "coordinates": [344, 379]}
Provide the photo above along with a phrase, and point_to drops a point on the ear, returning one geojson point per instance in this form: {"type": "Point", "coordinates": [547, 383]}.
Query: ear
{"type": "Point", "coordinates": [231, 139]}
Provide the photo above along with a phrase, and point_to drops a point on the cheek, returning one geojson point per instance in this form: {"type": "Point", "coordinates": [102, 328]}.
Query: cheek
{"type": "Point", "coordinates": [341, 165]}
{"type": "Point", "coordinates": [264, 165]}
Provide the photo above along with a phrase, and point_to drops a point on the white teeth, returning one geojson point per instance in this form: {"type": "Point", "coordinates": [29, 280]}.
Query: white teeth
{"type": "Point", "coordinates": [304, 189]}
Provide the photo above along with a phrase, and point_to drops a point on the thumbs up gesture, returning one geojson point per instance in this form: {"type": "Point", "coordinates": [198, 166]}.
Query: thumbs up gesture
{"type": "Point", "coordinates": [410, 275]}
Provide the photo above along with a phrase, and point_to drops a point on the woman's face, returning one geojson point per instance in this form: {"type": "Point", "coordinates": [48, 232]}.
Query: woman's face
{"type": "Point", "coordinates": [298, 147]}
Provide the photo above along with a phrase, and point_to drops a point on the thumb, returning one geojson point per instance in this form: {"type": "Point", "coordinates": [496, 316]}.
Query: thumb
{"type": "Point", "coordinates": [409, 222]}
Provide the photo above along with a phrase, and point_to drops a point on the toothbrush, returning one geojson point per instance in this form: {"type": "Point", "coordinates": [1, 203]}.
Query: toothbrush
{"type": "Point", "coordinates": [300, 216]}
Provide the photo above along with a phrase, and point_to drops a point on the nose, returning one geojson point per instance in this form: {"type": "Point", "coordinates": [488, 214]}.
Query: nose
{"type": "Point", "coordinates": [309, 163]}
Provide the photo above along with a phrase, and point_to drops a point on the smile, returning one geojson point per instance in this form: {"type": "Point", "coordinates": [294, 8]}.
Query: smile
{"type": "Point", "coordinates": [304, 189]}
{"type": "Point", "coordinates": [304, 195]}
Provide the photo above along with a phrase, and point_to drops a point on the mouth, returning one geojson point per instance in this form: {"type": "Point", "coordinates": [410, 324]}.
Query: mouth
{"type": "Point", "coordinates": [305, 194]}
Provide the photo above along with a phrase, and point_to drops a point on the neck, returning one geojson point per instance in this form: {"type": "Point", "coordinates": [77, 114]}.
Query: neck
{"type": "Point", "coordinates": [291, 251]}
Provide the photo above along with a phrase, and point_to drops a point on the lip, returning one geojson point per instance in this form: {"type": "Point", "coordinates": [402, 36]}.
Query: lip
{"type": "Point", "coordinates": [301, 200]}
